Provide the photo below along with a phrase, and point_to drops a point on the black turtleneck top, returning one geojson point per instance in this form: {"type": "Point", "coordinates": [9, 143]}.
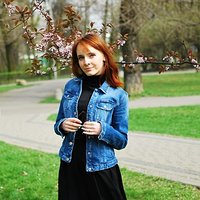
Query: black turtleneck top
{"type": "Point", "coordinates": [89, 84]}
{"type": "Point", "coordinates": [79, 151]}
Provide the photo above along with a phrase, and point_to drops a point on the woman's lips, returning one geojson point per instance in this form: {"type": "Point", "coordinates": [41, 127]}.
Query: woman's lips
{"type": "Point", "coordinates": [88, 69]}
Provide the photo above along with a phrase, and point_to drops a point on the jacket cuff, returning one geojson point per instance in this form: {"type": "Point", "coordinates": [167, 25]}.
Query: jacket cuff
{"type": "Point", "coordinates": [58, 129]}
{"type": "Point", "coordinates": [101, 136]}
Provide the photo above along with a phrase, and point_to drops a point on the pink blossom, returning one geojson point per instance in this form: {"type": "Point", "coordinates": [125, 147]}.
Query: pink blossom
{"type": "Point", "coordinates": [140, 59]}
{"type": "Point", "coordinates": [11, 8]}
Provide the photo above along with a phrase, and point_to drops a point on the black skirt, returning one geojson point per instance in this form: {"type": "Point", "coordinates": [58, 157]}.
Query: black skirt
{"type": "Point", "coordinates": [74, 183]}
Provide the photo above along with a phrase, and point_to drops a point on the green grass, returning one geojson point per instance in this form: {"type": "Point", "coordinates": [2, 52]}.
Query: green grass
{"type": "Point", "coordinates": [179, 121]}
{"type": "Point", "coordinates": [50, 99]}
{"type": "Point", "coordinates": [142, 187]}
{"type": "Point", "coordinates": [5, 88]}
{"type": "Point", "coordinates": [52, 117]}
{"type": "Point", "coordinates": [27, 174]}
{"type": "Point", "coordinates": [32, 175]}
{"type": "Point", "coordinates": [183, 84]}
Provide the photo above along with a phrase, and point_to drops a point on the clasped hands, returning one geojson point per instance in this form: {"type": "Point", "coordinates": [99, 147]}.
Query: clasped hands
{"type": "Point", "coordinates": [88, 127]}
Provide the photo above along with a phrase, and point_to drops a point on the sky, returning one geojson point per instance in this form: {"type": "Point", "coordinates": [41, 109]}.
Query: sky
{"type": "Point", "coordinates": [95, 11]}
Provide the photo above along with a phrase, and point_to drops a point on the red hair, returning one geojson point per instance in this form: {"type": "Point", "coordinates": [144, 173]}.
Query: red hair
{"type": "Point", "coordinates": [111, 72]}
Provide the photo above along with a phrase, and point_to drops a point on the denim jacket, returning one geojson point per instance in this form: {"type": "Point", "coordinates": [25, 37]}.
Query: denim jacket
{"type": "Point", "coordinates": [108, 106]}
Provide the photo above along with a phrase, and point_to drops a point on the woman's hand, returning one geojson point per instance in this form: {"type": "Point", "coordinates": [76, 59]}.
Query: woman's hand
{"type": "Point", "coordinates": [71, 124]}
{"type": "Point", "coordinates": [91, 128]}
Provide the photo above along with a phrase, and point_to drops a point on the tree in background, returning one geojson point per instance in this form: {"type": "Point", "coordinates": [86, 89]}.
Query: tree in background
{"type": "Point", "coordinates": [173, 23]}
{"type": "Point", "coordinates": [13, 47]}
{"type": "Point", "coordinates": [3, 62]}
{"type": "Point", "coordinates": [9, 43]}
{"type": "Point", "coordinates": [133, 15]}
{"type": "Point", "coordinates": [155, 28]}
{"type": "Point", "coordinates": [54, 39]}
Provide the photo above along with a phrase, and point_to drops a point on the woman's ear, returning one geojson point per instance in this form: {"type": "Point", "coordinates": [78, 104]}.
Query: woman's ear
{"type": "Point", "coordinates": [104, 58]}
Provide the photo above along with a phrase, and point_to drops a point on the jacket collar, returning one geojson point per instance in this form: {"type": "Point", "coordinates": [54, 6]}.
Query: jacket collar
{"type": "Point", "coordinates": [104, 87]}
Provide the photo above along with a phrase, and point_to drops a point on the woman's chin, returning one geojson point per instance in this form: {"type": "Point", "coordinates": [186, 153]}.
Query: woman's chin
{"type": "Point", "coordinates": [91, 73]}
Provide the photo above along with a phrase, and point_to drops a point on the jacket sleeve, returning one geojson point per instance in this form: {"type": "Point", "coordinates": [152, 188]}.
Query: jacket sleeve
{"type": "Point", "coordinates": [60, 118]}
{"type": "Point", "coordinates": [116, 134]}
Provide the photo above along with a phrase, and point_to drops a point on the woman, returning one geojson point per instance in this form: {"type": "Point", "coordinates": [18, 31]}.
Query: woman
{"type": "Point", "coordinates": [93, 119]}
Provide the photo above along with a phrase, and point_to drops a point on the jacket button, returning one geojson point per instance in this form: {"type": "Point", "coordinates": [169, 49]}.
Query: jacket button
{"type": "Point", "coordinates": [70, 143]}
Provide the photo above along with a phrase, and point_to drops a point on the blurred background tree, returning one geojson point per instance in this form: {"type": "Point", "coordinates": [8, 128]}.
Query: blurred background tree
{"type": "Point", "coordinates": [154, 28]}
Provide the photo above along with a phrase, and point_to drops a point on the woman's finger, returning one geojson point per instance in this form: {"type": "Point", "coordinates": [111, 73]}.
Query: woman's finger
{"type": "Point", "coordinates": [91, 128]}
{"type": "Point", "coordinates": [71, 124]}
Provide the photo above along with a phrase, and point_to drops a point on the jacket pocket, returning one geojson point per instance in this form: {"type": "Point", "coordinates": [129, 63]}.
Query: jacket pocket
{"type": "Point", "coordinates": [68, 103]}
{"type": "Point", "coordinates": [105, 109]}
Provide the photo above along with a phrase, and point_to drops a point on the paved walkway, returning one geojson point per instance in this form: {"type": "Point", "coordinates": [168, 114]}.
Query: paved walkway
{"type": "Point", "coordinates": [23, 122]}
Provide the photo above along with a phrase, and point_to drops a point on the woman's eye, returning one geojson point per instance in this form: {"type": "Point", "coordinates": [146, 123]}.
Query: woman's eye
{"type": "Point", "coordinates": [92, 55]}
{"type": "Point", "coordinates": [80, 58]}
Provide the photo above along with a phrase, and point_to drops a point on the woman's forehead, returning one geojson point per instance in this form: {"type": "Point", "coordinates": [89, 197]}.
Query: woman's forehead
{"type": "Point", "coordinates": [85, 48]}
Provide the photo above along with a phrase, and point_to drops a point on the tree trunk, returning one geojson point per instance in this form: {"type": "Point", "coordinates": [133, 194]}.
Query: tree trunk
{"type": "Point", "coordinates": [9, 45]}
{"type": "Point", "coordinates": [133, 80]}
{"type": "Point", "coordinates": [3, 63]}
{"type": "Point", "coordinates": [132, 75]}
{"type": "Point", "coordinates": [12, 56]}
{"type": "Point", "coordinates": [105, 18]}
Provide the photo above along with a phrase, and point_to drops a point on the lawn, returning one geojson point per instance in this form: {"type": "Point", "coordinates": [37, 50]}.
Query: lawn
{"type": "Point", "coordinates": [167, 84]}
{"type": "Point", "coordinates": [32, 175]}
{"type": "Point", "coordinates": [5, 88]}
{"type": "Point", "coordinates": [180, 121]}
{"type": "Point", "coordinates": [50, 99]}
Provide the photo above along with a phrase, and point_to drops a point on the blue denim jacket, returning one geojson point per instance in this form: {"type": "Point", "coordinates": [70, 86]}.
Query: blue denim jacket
{"type": "Point", "coordinates": [107, 105]}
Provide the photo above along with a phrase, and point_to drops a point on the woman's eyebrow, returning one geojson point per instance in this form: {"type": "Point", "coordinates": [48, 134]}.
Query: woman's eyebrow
{"type": "Point", "coordinates": [80, 55]}
{"type": "Point", "coordinates": [87, 53]}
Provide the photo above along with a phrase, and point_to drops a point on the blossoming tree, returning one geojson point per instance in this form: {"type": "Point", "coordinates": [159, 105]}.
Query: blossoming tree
{"type": "Point", "coordinates": [54, 40]}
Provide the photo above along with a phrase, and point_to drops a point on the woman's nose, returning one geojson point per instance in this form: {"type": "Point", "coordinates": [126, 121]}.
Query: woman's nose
{"type": "Point", "coordinates": [87, 61]}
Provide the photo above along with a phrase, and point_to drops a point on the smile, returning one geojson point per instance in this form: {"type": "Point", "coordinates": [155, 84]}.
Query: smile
{"type": "Point", "coordinates": [88, 69]}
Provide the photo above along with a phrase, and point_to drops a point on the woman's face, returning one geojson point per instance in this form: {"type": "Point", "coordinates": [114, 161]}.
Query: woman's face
{"type": "Point", "coordinates": [91, 60]}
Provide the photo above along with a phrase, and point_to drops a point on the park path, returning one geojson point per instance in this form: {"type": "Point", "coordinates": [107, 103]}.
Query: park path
{"type": "Point", "coordinates": [23, 122]}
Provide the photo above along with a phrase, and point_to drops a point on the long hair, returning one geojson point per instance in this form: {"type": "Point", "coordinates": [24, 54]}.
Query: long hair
{"type": "Point", "coordinates": [111, 72]}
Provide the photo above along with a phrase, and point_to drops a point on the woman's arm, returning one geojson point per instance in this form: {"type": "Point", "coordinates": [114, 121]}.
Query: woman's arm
{"type": "Point", "coordinates": [116, 134]}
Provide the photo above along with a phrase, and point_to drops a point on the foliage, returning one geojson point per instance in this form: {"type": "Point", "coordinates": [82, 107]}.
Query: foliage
{"type": "Point", "coordinates": [171, 23]}
{"type": "Point", "coordinates": [172, 61]}
{"type": "Point", "coordinates": [55, 40]}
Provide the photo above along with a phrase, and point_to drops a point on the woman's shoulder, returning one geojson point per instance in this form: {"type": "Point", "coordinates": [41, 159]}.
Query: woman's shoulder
{"type": "Point", "coordinates": [119, 90]}
{"type": "Point", "coordinates": [118, 93]}
{"type": "Point", "coordinates": [72, 82]}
